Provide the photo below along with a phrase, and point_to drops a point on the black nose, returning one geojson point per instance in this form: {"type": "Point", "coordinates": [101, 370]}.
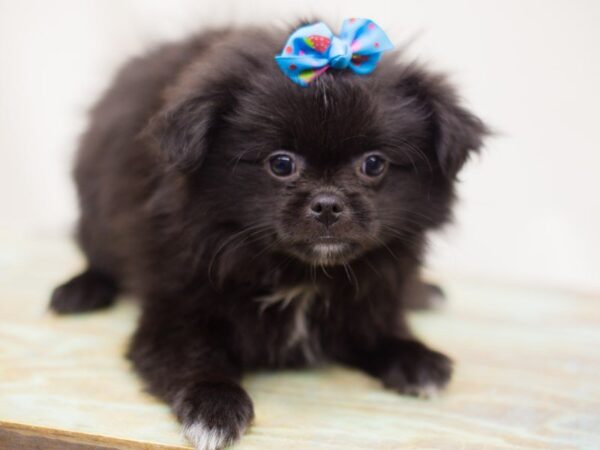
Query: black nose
{"type": "Point", "coordinates": [326, 208]}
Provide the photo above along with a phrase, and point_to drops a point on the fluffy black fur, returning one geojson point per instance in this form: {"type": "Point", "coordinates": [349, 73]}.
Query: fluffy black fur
{"type": "Point", "coordinates": [179, 207]}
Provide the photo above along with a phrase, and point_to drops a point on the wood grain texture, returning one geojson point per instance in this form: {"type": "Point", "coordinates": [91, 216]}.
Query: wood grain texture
{"type": "Point", "coordinates": [527, 374]}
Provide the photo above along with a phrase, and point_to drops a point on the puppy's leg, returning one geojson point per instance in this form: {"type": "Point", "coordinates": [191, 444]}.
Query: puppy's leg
{"type": "Point", "coordinates": [189, 362]}
{"type": "Point", "coordinates": [419, 295]}
{"type": "Point", "coordinates": [405, 365]}
{"type": "Point", "coordinates": [88, 291]}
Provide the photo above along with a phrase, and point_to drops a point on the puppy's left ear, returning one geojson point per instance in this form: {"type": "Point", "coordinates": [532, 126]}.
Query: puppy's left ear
{"type": "Point", "coordinates": [456, 131]}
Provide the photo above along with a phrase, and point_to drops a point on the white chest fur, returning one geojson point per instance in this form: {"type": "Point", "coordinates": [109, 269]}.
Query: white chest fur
{"type": "Point", "coordinates": [298, 298]}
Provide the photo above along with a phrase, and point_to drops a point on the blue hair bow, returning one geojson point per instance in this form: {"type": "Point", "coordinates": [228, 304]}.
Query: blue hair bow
{"type": "Point", "coordinates": [312, 49]}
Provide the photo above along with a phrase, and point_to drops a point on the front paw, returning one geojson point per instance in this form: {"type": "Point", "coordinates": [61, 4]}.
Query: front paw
{"type": "Point", "coordinates": [214, 414]}
{"type": "Point", "coordinates": [416, 370]}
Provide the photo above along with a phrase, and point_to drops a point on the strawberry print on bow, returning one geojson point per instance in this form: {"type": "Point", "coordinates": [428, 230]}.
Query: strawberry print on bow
{"type": "Point", "coordinates": [313, 49]}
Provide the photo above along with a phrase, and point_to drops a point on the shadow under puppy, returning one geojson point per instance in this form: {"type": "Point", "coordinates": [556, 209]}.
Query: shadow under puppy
{"type": "Point", "coordinates": [264, 224]}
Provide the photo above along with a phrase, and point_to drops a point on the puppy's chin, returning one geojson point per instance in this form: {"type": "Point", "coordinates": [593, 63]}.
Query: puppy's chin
{"type": "Point", "coordinates": [326, 252]}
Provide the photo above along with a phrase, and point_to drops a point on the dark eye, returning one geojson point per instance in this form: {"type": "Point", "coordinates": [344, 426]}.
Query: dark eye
{"type": "Point", "coordinates": [282, 165]}
{"type": "Point", "coordinates": [373, 166]}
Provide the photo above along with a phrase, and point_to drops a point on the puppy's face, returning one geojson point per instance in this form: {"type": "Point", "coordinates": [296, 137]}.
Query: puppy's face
{"type": "Point", "coordinates": [329, 172]}
{"type": "Point", "coordinates": [325, 169]}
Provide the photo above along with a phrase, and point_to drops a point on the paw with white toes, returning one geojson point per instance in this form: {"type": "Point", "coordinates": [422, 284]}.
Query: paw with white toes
{"type": "Point", "coordinates": [214, 414]}
{"type": "Point", "coordinates": [417, 370]}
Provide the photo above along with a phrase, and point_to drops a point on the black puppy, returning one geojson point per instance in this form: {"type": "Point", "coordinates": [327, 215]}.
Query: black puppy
{"type": "Point", "coordinates": [264, 224]}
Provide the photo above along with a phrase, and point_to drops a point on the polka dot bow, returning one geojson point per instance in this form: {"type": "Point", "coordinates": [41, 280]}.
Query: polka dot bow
{"type": "Point", "coordinates": [313, 49]}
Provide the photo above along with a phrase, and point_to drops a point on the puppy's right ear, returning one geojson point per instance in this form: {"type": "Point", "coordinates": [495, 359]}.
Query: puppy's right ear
{"type": "Point", "coordinates": [184, 131]}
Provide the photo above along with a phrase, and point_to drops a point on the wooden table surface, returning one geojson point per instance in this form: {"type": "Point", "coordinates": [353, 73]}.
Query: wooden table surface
{"type": "Point", "coordinates": [527, 374]}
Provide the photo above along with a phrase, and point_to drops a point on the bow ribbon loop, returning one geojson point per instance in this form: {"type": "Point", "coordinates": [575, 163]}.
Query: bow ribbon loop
{"type": "Point", "coordinates": [313, 49]}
